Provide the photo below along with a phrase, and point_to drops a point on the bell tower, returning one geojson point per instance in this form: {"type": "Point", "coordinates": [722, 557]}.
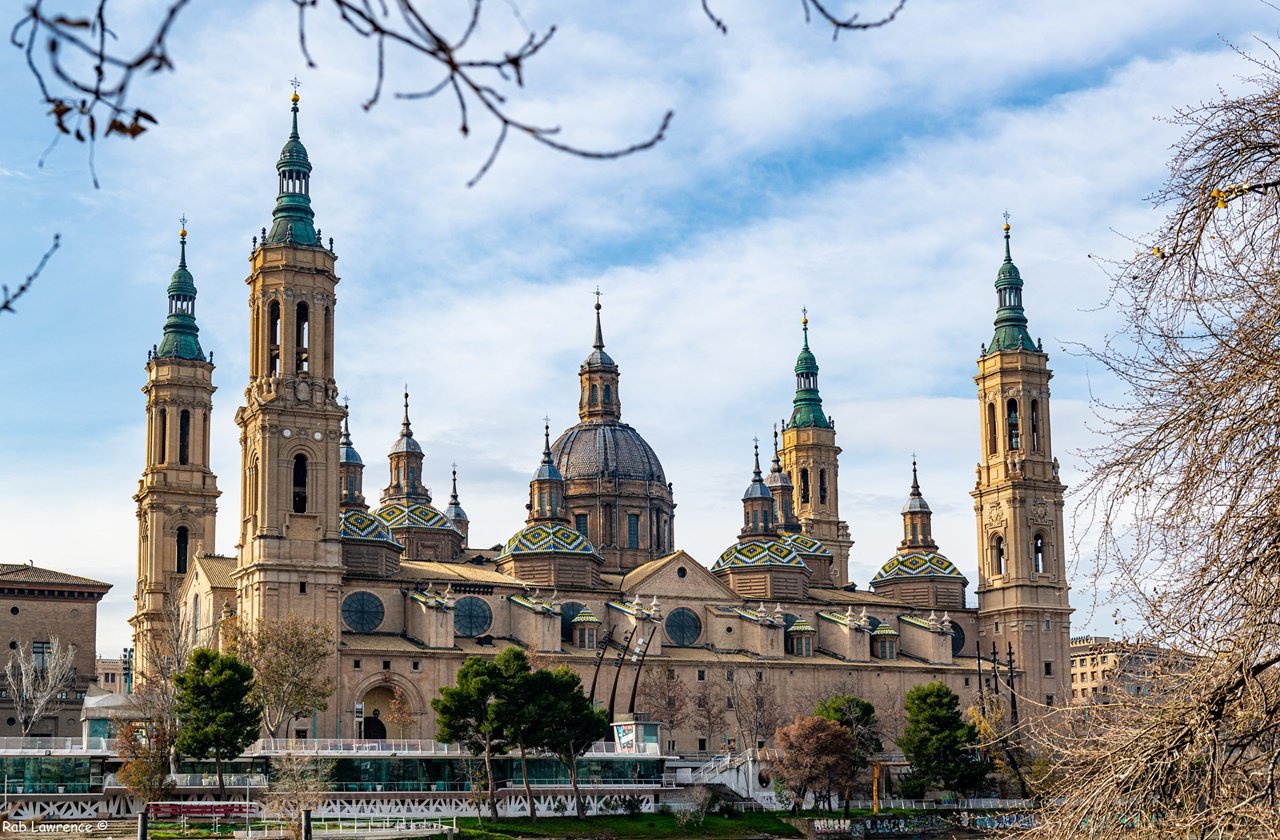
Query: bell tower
{"type": "Point", "coordinates": [810, 458]}
{"type": "Point", "coordinates": [1018, 501]}
{"type": "Point", "coordinates": [178, 494]}
{"type": "Point", "coordinates": [290, 557]}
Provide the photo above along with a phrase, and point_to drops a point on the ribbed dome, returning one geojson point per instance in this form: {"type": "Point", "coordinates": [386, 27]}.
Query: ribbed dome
{"type": "Point", "coordinates": [916, 504]}
{"type": "Point", "coordinates": [609, 449]}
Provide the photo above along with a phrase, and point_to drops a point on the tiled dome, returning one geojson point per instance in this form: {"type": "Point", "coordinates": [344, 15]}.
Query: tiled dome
{"type": "Point", "coordinates": [413, 515]}
{"type": "Point", "coordinates": [609, 449]}
{"type": "Point", "coordinates": [806, 546]}
{"type": "Point", "coordinates": [547, 538]}
{"type": "Point", "coordinates": [759, 554]}
{"type": "Point", "coordinates": [917, 564]}
{"type": "Point", "coordinates": [356, 525]}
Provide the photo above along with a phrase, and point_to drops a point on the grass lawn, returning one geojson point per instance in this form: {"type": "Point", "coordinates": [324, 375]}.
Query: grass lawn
{"type": "Point", "coordinates": [624, 827]}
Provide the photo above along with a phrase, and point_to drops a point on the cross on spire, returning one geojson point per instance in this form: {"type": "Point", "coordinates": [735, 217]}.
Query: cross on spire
{"type": "Point", "coordinates": [182, 220]}
{"type": "Point", "coordinates": [598, 295]}
{"type": "Point", "coordinates": [296, 84]}
{"type": "Point", "coordinates": [1006, 217]}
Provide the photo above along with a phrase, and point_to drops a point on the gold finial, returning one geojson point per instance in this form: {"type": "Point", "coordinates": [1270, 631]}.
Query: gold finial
{"type": "Point", "coordinates": [183, 221]}
{"type": "Point", "coordinates": [296, 84]}
{"type": "Point", "coordinates": [1006, 221]}
{"type": "Point", "coordinates": [804, 320]}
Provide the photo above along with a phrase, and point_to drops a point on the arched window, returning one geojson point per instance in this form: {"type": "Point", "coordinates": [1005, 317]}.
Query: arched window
{"type": "Point", "coordinates": [997, 555]}
{"type": "Point", "coordinates": [1035, 425]}
{"type": "Point", "coordinates": [991, 428]}
{"type": "Point", "coordinates": [162, 439]}
{"type": "Point", "coordinates": [595, 394]}
{"type": "Point", "coordinates": [915, 532]}
{"type": "Point", "coordinates": [302, 336]}
{"type": "Point", "coordinates": [184, 437]}
{"type": "Point", "coordinates": [182, 542]}
{"type": "Point", "coordinates": [195, 620]}
{"type": "Point", "coordinates": [273, 339]}
{"type": "Point", "coordinates": [299, 483]}
{"type": "Point", "coordinates": [1011, 417]}
{"type": "Point", "coordinates": [327, 339]}
{"type": "Point", "coordinates": [608, 395]}
{"type": "Point", "coordinates": [822, 487]}
{"type": "Point", "coordinates": [804, 486]}
{"type": "Point", "coordinates": [1037, 552]}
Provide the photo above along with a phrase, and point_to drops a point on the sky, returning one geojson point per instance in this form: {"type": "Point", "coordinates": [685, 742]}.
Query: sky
{"type": "Point", "coordinates": [864, 178]}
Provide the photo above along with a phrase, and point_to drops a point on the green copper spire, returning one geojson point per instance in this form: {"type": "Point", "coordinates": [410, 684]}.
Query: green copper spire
{"type": "Point", "coordinates": [1011, 321]}
{"type": "Point", "coordinates": [292, 221]}
{"type": "Point", "coordinates": [180, 331]}
{"type": "Point", "coordinates": [808, 404]}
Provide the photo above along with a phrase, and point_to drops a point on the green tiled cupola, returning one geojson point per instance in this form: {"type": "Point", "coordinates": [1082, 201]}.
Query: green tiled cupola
{"type": "Point", "coordinates": [181, 339]}
{"type": "Point", "coordinates": [808, 403]}
{"type": "Point", "coordinates": [293, 219]}
{"type": "Point", "coordinates": [1011, 320]}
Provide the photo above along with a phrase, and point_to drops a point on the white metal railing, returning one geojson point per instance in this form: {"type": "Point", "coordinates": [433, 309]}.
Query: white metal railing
{"type": "Point", "coordinates": [231, 780]}
{"type": "Point", "coordinates": [54, 746]}
{"type": "Point", "coordinates": [721, 764]}
{"type": "Point", "coordinates": [368, 826]}
{"type": "Point", "coordinates": [336, 746]}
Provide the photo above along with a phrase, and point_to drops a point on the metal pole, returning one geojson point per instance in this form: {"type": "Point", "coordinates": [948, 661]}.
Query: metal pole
{"type": "Point", "coordinates": [142, 824]}
{"type": "Point", "coordinates": [1013, 696]}
{"type": "Point", "coordinates": [622, 653]}
{"type": "Point", "coordinates": [306, 824]}
{"type": "Point", "coordinates": [600, 649]}
{"type": "Point", "coordinates": [644, 651]}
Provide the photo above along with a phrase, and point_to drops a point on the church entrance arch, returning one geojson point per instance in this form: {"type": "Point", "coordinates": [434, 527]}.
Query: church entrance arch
{"type": "Point", "coordinates": [374, 728]}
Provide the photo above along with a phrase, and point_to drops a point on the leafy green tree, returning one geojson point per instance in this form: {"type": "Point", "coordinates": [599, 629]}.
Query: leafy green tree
{"type": "Point", "coordinates": [522, 709]}
{"type": "Point", "coordinates": [859, 717]}
{"type": "Point", "coordinates": [465, 715]}
{"type": "Point", "coordinates": [941, 747]}
{"type": "Point", "coordinates": [572, 724]}
{"type": "Point", "coordinates": [215, 713]}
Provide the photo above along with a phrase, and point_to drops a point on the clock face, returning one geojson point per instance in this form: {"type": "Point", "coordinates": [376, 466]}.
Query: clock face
{"type": "Point", "coordinates": [362, 612]}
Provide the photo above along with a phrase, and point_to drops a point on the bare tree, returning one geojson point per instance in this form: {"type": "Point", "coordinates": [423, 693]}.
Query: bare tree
{"type": "Point", "coordinates": [86, 75]}
{"type": "Point", "coordinates": [163, 653]}
{"type": "Point", "coordinates": [756, 703]}
{"type": "Point", "coordinates": [664, 697]}
{"type": "Point", "coordinates": [1184, 496]}
{"type": "Point", "coordinates": [708, 712]}
{"type": "Point", "coordinates": [298, 783]}
{"type": "Point", "coordinates": [39, 675]}
{"type": "Point", "coordinates": [290, 659]}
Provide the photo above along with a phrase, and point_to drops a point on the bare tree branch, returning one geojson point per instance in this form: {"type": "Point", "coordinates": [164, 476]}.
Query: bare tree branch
{"type": "Point", "coordinates": [7, 298]}
{"type": "Point", "coordinates": [37, 673]}
{"type": "Point", "coordinates": [58, 48]}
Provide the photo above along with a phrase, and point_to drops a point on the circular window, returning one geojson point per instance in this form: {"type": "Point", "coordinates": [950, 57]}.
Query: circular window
{"type": "Point", "coordinates": [728, 631]}
{"type": "Point", "coordinates": [471, 616]}
{"type": "Point", "coordinates": [13, 645]}
{"type": "Point", "coordinates": [12, 721]}
{"type": "Point", "coordinates": [957, 639]}
{"type": "Point", "coordinates": [568, 612]}
{"type": "Point", "coordinates": [681, 571]}
{"type": "Point", "coordinates": [362, 611]}
{"type": "Point", "coordinates": [683, 626]}
{"type": "Point", "coordinates": [13, 610]}
{"type": "Point", "coordinates": [74, 613]}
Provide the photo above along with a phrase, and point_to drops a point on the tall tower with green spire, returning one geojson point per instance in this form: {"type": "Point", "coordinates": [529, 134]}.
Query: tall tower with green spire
{"type": "Point", "coordinates": [290, 555]}
{"type": "Point", "coordinates": [177, 496]}
{"type": "Point", "coordinates": [811, 461]}
{"type": "Point", "coordinates": [1018, 504]}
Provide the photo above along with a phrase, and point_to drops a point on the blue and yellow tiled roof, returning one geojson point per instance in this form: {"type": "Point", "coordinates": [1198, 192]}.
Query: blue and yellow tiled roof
{"type": "Point", "coordinates": [917, 564]}
{"type": "Point", "coordinates": [759, 554]}
{"type": "Point", "coordinates": [413, 515]}
{"type": "Point", "coordinates": [585, 616]}
{"type": "Point", "coordinates": [806, 546]}
{"type": "Point", "coordinates": [801, 626]}
{"type": "Point", "coordinates": [358, 526]}
{"type": "Point", "coordinates": [547, 538]}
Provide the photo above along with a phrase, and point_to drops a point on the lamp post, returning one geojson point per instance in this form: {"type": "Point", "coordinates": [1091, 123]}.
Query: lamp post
{"type": "Point", "coordinates": [126, 667]}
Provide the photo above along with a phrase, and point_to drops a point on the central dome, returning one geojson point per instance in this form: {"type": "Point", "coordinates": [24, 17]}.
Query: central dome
{"type": "Point", "coordinates": [609, 449]}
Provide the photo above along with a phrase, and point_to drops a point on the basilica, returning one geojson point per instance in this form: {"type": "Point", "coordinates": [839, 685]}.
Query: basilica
{"type": "Point", "coordinates": [595, 579]}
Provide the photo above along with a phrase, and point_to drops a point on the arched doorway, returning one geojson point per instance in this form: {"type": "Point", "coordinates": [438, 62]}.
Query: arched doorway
{"type": "Point", "coordinates": [374, 728]}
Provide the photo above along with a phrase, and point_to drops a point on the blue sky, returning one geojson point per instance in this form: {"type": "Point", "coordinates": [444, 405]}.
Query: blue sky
{"type": "Point", "coordinates": [863, 178]}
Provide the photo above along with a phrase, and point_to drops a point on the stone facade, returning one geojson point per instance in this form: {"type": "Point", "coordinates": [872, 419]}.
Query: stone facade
{"type": "Point", "coordinates": [594, 580]}
{"type": "Point", "coordinates": [36, 606]}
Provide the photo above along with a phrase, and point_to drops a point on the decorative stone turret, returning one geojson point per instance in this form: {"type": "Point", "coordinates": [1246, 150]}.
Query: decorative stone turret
{"type": "Point", "coordinates": [918, 574]}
